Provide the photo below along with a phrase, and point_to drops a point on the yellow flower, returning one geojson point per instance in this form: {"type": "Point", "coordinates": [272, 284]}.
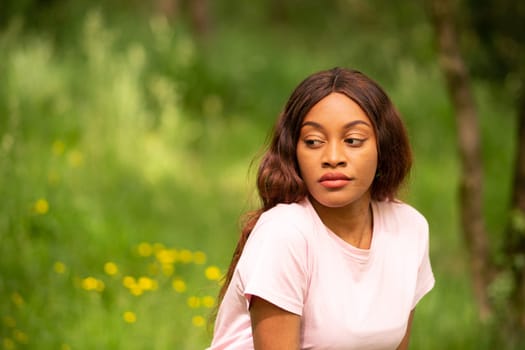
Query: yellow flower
{"type": "Point", "coordinates": [129, 317]}
{"type": "Point", "coordinates": [166, 256]}
{"type": "Point", "coordinates": [179, 285]}
{"type": "Point", "coordinates": [136, 290]}
{"type": "Point", "coordinates": [41, 206]}
{"type": "Point", "coordinates": [58, 147]}
{"type": "Point", "coordinates": [75, 158]}
{"type": "Point", "coordinates": [198, 321]}
{"type": "Point", "coordinates": [9, 321]}
{"type": "Point", "coordinates": [59, 267]}
{"type": "Point", "coordinates": [185, 256]}
{"type": "Point", "coordinates": [20, 336]}
{"type": "Point", "coordinates": [100, 286]}
{"type": "Point", "coordinates": [129, 281]}
{"type": "Point", "coordinates": [213, 273]}
{"type": "Point", "coordinates": [110, 268]}
{"type": "Point", "coordinates": [194, 302]}
{"type": "Point", "coordinates": [8, 343]}
{"type": "Point", "coordinates": [199, 258]}
{"type": "Point", "coordinates": [147, 283]}
{"type": "Point", "coordinates": [208, 301]}
{"type": "Point", "coordinates": [144, 249]}
{"type": "Point", "coordinates": [91, 283]}
{"type": "Point", "coordinates": [17, 299]}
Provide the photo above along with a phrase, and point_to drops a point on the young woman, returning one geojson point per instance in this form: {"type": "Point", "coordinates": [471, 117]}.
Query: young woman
{"type": "Point", "coordinates": [332, 260]}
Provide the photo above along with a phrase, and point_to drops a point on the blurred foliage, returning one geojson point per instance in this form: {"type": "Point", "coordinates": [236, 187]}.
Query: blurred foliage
{"type": "Point", "coordinates": [496, 47]}
{"type": "Point", "coordinates": [121, 129]}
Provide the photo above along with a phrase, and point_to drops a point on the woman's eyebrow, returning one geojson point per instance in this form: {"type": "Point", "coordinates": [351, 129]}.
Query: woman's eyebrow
{"type": "Point", "coordinates": [312, 124]}
{"type": "Point", "coordinates": [346, 126]}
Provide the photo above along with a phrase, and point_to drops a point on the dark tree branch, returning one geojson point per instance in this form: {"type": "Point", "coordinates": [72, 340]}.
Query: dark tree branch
{"type": "Point", "coordinates": [515, 238]}
{"type": "Point", "coordinates": [468, 130]}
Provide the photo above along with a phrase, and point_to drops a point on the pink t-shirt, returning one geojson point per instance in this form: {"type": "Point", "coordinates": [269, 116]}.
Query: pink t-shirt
{"type": "Point", "coordinates": [348, 298]}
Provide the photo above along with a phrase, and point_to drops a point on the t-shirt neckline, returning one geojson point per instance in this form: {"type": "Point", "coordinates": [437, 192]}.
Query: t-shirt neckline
{"type": "Point", "coordinates": [360, 255]}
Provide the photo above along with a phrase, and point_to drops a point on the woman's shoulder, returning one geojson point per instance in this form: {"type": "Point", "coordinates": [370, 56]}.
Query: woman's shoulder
{"type": "Point", "coordinates": [293, 213]}
{"type": "Point", "coordinates": [284, 225]}
{"type": "Point", "coordinates": [294, 219]}
{"type": "Point", "coordinates": [400, 213]}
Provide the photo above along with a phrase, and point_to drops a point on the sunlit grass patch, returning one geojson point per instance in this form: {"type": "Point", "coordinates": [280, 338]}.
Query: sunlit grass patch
{"type": "Point", "coordinates": [131, 291]}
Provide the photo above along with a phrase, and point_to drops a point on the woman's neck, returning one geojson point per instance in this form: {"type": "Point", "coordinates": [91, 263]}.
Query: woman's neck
{"type": "Point", "coordinates": [352, 223]}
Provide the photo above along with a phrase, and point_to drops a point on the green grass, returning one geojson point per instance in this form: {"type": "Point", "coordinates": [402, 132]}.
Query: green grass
{"type": "Point", "coordinates": [118, 141]}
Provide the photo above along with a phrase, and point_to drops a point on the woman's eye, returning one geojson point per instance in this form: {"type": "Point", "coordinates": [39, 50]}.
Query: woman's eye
{"type": "Point", "coordinates": [354, 142]}
{"type": "Point", "coordinates": [312, 142]}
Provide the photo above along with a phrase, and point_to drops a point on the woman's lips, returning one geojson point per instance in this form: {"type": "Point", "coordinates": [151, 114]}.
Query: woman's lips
{"type": "Point", "coordinates": [334, 180]}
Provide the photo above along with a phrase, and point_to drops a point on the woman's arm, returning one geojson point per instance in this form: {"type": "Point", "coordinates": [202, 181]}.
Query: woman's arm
{"type": "Point", "coordinates": [404, 343]}
{"type": "Point", "coordinates": [272, 327]}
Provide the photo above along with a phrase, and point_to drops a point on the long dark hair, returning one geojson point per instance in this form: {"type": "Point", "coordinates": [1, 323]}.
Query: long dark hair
{"type": "Point", "coordinates": [278, 179]}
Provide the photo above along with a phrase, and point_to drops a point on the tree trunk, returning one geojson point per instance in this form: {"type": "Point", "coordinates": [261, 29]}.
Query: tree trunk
{"type": "Point", "coordinates": [198, 12]}
{"type": "Point", "coordinates": [168, 8]}
{"type": "Point", "coordinates": [515, 239]}
{"type": "Point", "coordinates": [468, 132]}
{"type": "Point", "coordinates": [200, 17]}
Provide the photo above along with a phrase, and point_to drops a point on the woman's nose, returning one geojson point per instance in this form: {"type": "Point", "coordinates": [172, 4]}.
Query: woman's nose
{"type": "Point", "coordinates": [334, 156]}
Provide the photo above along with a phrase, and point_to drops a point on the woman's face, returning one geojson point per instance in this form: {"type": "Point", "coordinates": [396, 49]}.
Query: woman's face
{"type": "Point", "coordinates": [337, 152]}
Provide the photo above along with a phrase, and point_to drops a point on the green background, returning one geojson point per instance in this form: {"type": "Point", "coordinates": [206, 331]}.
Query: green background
{"type": "Point", "coordinates": [128, 147]}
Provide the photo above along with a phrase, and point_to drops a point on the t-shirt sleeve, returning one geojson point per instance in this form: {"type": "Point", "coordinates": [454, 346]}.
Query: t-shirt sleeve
{"type": "Point", "coordinates": [425, 278]}
{"type": "Point", "coordinates": [273, 264]}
